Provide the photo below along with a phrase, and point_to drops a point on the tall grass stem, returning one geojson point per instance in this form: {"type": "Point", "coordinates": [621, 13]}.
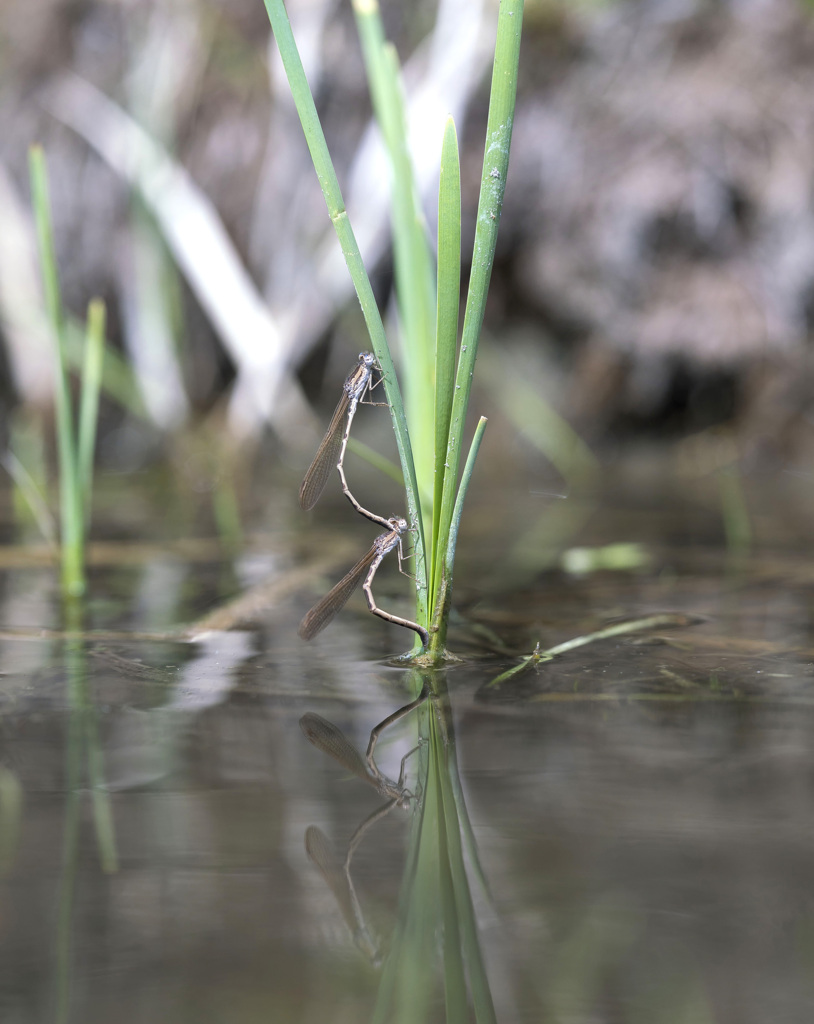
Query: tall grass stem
{"type": "Point", "coordinates": [441, 616]}
{"type": "Point", "coordinates": [446, 343]}
{"type": "Point", "coordinates": [493, 184]}
{"type": "Point", "coordinates": [71, 517]}
{"type": "Point", "coordinates": [89, 401]}
{"type": "Point", "coordinates": [415, 285]}
{"type": "Point", "coordinates": [315, 139]}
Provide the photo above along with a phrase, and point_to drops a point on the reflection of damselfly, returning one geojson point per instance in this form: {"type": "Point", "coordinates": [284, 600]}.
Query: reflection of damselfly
{"type": "Point", "coordinates": [338, 879]}
{"type": "Point", "coordinates": [332, 741]}
{"type": "Point", "coordinates": [331, 451]}
{"type": "Point", "coordinates": [365, 569]}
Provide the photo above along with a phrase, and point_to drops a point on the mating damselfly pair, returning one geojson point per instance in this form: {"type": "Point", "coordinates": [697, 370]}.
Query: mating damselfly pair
{"type": "Point", "coordinates": [331, 453]}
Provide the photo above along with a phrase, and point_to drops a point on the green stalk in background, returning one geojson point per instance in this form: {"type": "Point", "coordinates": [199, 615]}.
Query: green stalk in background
{"type": "Point", "coordinates": [89, 403]}
{"type": "Point", "coordinates": [74, 447]}
{"type": "Point", "coordinates": [70, 499]}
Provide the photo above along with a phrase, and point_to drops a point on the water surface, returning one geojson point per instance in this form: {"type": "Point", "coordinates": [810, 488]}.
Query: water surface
{"type": "Point", "coordinates": [634, 816]}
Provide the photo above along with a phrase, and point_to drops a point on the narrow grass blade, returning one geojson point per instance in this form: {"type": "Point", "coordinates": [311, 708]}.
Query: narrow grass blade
{"type": "Point", "coordinates": [446, 341]}
{"type": "Point", "coordinates": [30, 493]}
{"type": "Point", "coordinates": [734, 511]}
{"type": "Point", "coordinates": [377, 460]}
{"type": "Point", "coordinates": [466, 478]}
{"type": "Point", "coordinates": [89, 404]}
{"type": "Point", "coordinates": [535, 418]}
{"type": "Point", "coordinates": [118, 381]}
{"type": "Point", "coordinates": [415, 288]}
{"type": "Point", "coordinates": [439, 634]}
{"type": "Point", "coordinates": [72, 521]}
{"type": "Point", "coordinates": [663, 620]}
{"type": "Point", "coordinates": [326, 174]}
{"type": "Point", "coordinates": [493, 182]}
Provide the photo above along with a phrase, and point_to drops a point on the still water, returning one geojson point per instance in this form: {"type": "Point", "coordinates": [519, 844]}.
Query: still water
{"type": "Point", "coordinates": [620, 834]}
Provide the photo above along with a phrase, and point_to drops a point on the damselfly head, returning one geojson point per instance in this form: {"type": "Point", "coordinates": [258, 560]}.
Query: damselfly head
{"type": "Point", "coordinates": [398, 524]}
{"type": "Point", "coordinates": [367, 359]}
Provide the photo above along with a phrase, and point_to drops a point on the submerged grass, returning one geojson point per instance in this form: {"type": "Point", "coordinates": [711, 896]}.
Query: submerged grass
{"type": "Point", "coordinates": [437, 373]}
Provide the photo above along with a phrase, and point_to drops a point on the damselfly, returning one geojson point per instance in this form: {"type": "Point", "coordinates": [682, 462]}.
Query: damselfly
{"type": "Point", "coordinates": [338, 879]}
{"type": "Point", "coordinates": [330, 739]}
{"type": "Point", "coordinates": [331, 451]}
{"type": "Point", "coordinates": [365, 569]}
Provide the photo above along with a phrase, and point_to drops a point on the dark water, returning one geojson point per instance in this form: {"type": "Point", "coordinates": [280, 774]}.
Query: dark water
{"type": "Point", "coordinates": [621, 834]}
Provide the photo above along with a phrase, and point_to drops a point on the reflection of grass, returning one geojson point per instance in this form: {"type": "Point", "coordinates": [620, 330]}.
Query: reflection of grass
{"type": "Point", "coordinates": [430, 420]}
{"type": "Point", "coordinates": [435, 908]}
{"type": "Point", "coordinates": [82, 744]}
{"type": "Point", "coordinates": [11, 798]}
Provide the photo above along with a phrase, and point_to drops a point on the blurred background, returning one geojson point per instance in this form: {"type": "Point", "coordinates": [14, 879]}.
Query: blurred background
{"type": "Point", "coordinates": [654, 278]}
{"type": "Point", "coordinates": [642, 804]}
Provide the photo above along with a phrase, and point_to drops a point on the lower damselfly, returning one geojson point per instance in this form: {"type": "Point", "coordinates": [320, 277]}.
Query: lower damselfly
{"type": "Point", "coordinates": [365, 569]}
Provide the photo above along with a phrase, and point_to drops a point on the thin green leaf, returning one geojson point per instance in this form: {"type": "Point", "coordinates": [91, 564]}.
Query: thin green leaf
{"type": "Point", "coordinates": [439, 634]}
{"type": "Point", "coordinates": [449, 294]}
{"type": "Point", "coordinates": [118, 382]}
{"type": "Point", "coordinates": [377, 460]}
{"type": "Point", "coordinates": [493, 183]}
{"type": "Point", "coordinates": [72, 522]}
{"type": "Point", "coordinates": [30, 492]}
{"type": "Point", "coordinates": [89, 404]}
{"type": "Point", "coordinates": [412, 258]}
{"type": "Point", "coordinates": [326, 174]}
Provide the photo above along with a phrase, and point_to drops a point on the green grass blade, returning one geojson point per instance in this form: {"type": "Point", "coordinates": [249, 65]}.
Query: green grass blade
{"type": "Point", "coordinates": [376, 459]}
{"type": "Point", "coordinates": [446, 344]}
{"type": "Point", "coordinates": [326, 174]}
{"type": "Point", "coordinates": [493, 181]}
{"type": "Point", "coordinates": [118, 382]}
{"type": "Point", "coordinates": [537, 420]}
{"type": "Point", "coordinates": [89, 403]}
{"type": "Point", "coordinates": [30, 497]}
{"type": "Point", "coordinates": [439, 634]}
{"type": "Point", "coordinates": [72, 522]}
{"type": "Point", "coordinates": [459, 500]}
{"type": "Point", "coordinates": [412, 259]}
